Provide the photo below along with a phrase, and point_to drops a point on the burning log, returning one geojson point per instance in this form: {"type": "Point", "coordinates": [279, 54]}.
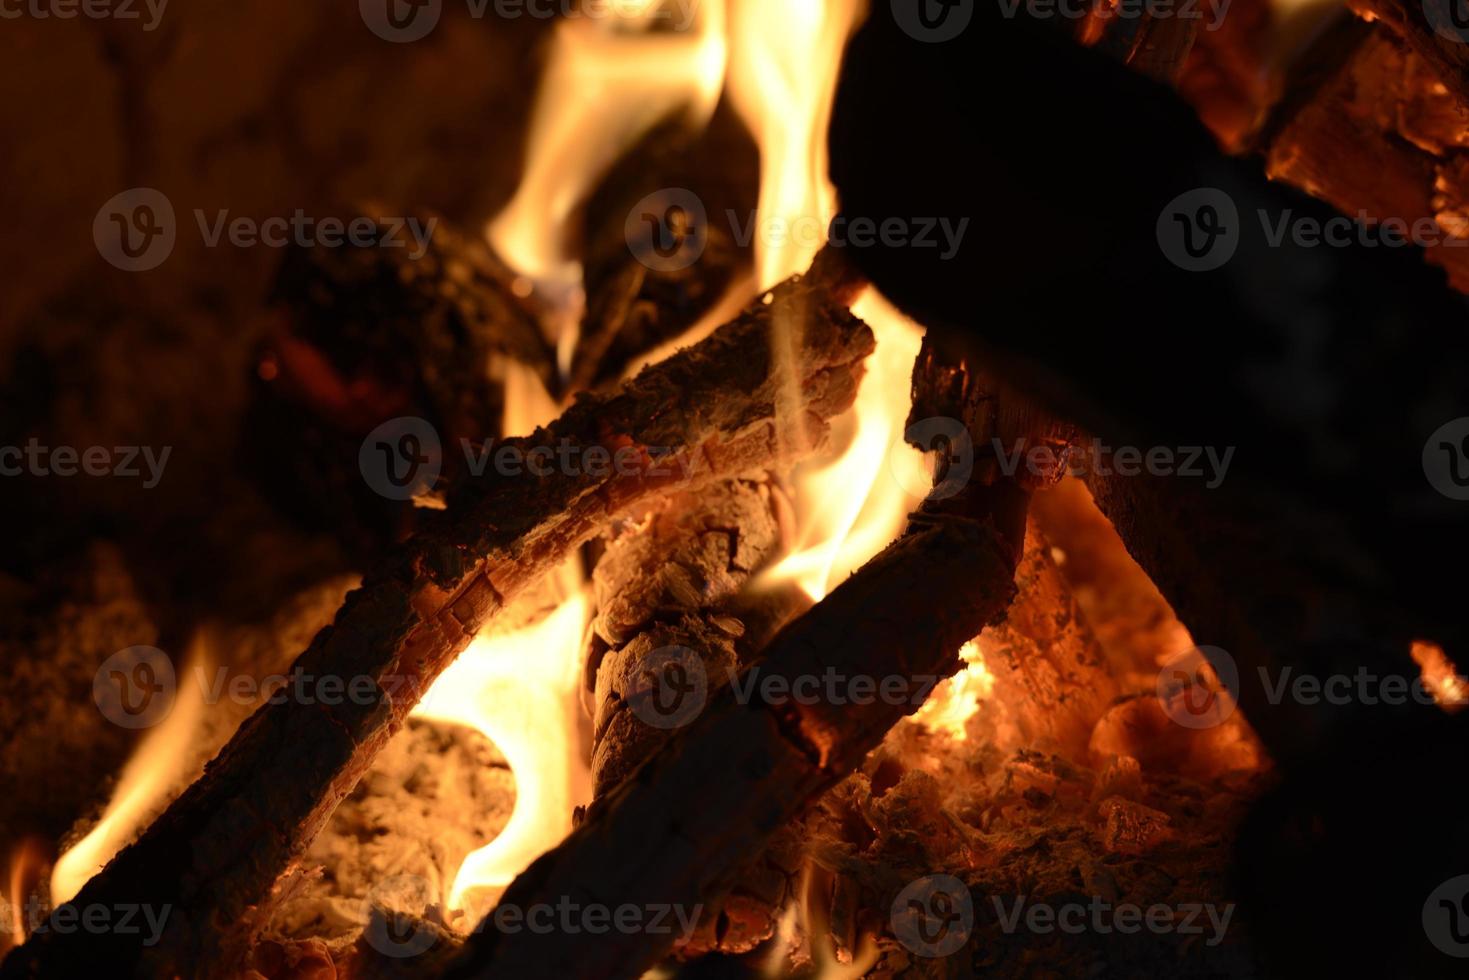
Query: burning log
{"type": "Point", "coordinates": [722, 788]}
{"type": "Point", "coordinates": [667, 585]}
{"type": "Point", "coordinates": [635, 300]}
{"type": "Point", "coordinates": [1336, 492]}
{"type": "Point", "coordinates": [727, 785]}
{"type": "Point", "coordinates": [706, 414]}
{"type": "Point", "coordinates": [670, 589]}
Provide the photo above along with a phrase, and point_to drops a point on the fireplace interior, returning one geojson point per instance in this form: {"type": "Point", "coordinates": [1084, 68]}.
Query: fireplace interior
{"type": "Point", "coordinates": [734, 488]}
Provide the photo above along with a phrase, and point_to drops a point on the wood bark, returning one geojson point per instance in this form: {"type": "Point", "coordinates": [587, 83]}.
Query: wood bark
{"type": "Point", "coordinates": [727, 785]}
{"type": "Point", "coordinates": [724, 786]}
{"type": "Point", "coordinates": [675, 583]}
{"type": "Point", "coordinates": [708, 413]}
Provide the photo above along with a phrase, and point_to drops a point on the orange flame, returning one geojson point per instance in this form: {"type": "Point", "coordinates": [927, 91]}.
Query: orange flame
{"type": "Point", "coordinates": [956, 700]}
{"type": "Point", "coordinates": [27, 867]}
{"type": "Point", "coordinates": [158, 767]}
{"type": "Point", "coordinates": [608, 82]}
{"type": "Point", "coordinates": [520, 690]}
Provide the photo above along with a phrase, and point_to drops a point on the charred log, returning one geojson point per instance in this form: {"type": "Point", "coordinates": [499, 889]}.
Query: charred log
{"type": "Point", "coordinates": [704, 415]}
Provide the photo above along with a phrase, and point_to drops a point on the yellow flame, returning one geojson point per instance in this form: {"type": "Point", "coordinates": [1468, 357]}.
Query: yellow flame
{"type": "Point", "coordinates": [608, 81]}
{"type": "Point", "coordinates": [956, 700]}
{"type": "Point", "coordinates": [157, 767]}
{"type": "Point", "coordinates": [27, 865]}
{"type": "Point", "coordinates": [784, 61]}
{"type": "Point", "coordinates": [782, 77]}
{"type": "Point", "coordinates": [851, 508]}
{"type": "Point", "coordinates": [519, 689]}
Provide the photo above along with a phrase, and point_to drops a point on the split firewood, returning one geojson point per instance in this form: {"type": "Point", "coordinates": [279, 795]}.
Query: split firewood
{"type": "Point", "coordinates": [726, 786]}
{"type": "Point", "coordinates": [668, 585]}
{"type": "Point", "coordinates": [708, 413]}
{"type": "Point", "coordinates": [671, 588]}
{"type": "Point", "coordinates": [1381, 135]}
{"type": "Point", "coordinates": [1433, 29]}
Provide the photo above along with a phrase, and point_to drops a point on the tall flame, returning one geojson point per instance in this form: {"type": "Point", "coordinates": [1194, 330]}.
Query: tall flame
{"type": "Point", "coordinates": [607, 83]}
{"type": "Point", "coordinates": [158, 766]}
{"type": "Point", "coordinates": [519, 689]}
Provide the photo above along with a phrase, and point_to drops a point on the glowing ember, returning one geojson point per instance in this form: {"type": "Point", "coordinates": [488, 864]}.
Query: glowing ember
{"type": "Point", "coordinates": [957, 699]}
{"type": "Point", "coordinates": [156, 768]}
{"type": "Point", "coordinates": [1440, 677]}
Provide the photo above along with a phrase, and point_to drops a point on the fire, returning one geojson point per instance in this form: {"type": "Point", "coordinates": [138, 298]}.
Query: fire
{"type": "Point", "coordinates": [607, 83]}
{"type": "Point", "coordinates": [1440, 677]}
{"type": "Point", "coordinates": [782, 78]}
{"type": "Point", "coordinates": [850, 508]}
{"type": "Point", "coordinates": [156, 769]}
{"type": "Point", "coordinates": [957, 699]}
{"type": "Point", "coordinates": [27, 867]}
{"type": "Point", "coordinates": [520, 690]}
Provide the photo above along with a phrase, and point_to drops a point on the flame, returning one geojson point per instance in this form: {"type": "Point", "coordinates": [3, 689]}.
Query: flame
{"type": "Point", "coordinates": [27, 867]}
{"type": "Point", "coordinates": [782, 78]}
{"type": "Point", "coordinates": [784, 62]}
{"type": "Point", "coordinates": [1440, 677]}
{"type": "Point", "coordinates": [520, 690]}
{"type": "Point", "coordinates": [160, 764]}
{"type": "Point", "coordinates": [609, 80]}
{"type": "Point", "coordinates": [957, 699]}
{"type": "Point", "coordinates": [849, 509]}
